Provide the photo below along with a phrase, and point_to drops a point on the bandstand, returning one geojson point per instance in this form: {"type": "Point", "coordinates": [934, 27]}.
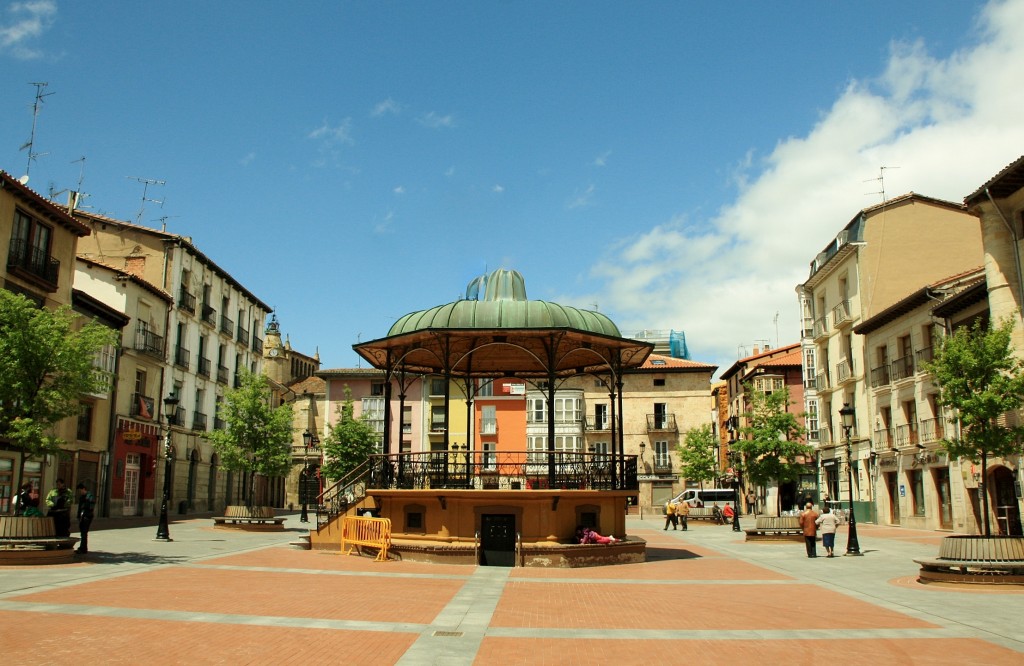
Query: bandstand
{"type": "Point", "coordinates": [510, 507]}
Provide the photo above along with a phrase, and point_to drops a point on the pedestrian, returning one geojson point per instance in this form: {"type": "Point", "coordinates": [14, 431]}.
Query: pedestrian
{"type": "Point", "coordinates": [828, 522]}
{"type": "Point", "coordinates": [716, 513]}
{"type": "Point", "coordinates": [727, 514]}
{"type": "Point", "coordinates": [86, 506]}
{"type": "Point", "coordinates": [27, 501]}
{"type": "Point", "coordinates": [810, 528]}
{"type": "Point", "coordinates": [683, 514]}
{"type": "Point", "coordinates": [58, 501]}
{"type": "Point", "coordinates": [751, 502]}
{"type": "Point", "coordinates": [670, 515]}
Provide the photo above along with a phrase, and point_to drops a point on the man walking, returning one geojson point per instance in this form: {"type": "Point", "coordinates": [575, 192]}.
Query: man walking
{"type": "Point", "coordinates": [810, 528]}
{"type": "Point", "coordinates": [86, 506]}
{"type": "Point", "coordinates": [670, 515]}
{"type": "Point", "coordinates": [58, 501]}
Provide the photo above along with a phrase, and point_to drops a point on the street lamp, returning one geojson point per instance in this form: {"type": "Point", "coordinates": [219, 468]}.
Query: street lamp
{"type": "Point", "coordinates": [734, 457]}
{"type": "Point", "coordinates": [163, 530]}
{"type": "Point", "coordinates": [307, 437]}
{"type": "Point", "coordinates": [847, 413]}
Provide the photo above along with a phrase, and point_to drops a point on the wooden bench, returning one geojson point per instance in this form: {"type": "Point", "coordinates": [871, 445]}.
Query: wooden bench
{"type": "Point", "coordinates": [701, 513]}
{"type": "Point", "coordinates": [33, 540]}
{"type": "Point", "coordinates": [976, 559]}
{"type": "Point", "coordinates": [775, 528]}
{"type": "Point", "coordinates": [249, 518]}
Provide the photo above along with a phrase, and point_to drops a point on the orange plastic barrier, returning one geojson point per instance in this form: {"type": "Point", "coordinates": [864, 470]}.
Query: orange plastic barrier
{"type": "Point", "coordinates": [357, 531]}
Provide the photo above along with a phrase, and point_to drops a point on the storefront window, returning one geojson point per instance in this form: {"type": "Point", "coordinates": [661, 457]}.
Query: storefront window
{"type": "Point", "coordinates": [917, 488]}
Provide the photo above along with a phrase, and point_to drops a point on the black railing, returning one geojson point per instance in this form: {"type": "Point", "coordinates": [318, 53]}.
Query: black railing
{"type": "Point", "coordinates": [198, 421]}
{"type": "Point", "coordinates": [661, 422]}
{"type": "Point", "coordinates": [182, 357]}
{"type": "Point", "coordinates": [257, 344]}
{"type": "Point", "coordinates": [227, 326]}
{"type": "Point", "coordinates": [178, 417]}
{"type": "Point", "coordinates": [243, 335]}
{"type": "Point", "coordinates": [148, 342]}
{"type": "Point", "coordinates": [142, 406]}
{"type": "Point", "coordinates": [187, 301]}
{"type": "Point", "coordinates": [34, 261]}
{"type": "Point", "coordinates": [209, 315]}
{"type": "Point", "coordinates": [344, 493]}
{"type": "Point", "coordinates": [222, 374]}
{"type": "Point", "coordinates": [204, 366]}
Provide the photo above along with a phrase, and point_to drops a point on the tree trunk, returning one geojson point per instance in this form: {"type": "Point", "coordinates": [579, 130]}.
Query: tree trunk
{"type": "Point", "coordinates": [984, 492]}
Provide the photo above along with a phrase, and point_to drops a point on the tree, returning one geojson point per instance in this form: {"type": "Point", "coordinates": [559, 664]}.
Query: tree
{"type": "Point", "coordinates": [980, 380]}
{"type": "Point", "coordinates": [257, 438]}
{"type": "Point", "coordinates": [697, 455]}
{"type": "Point", "coordinates": [46, 364]}
{"type": "Point", "coordinates": [349, 442]}
{"type": "Point", "coordinates": [771, 445]}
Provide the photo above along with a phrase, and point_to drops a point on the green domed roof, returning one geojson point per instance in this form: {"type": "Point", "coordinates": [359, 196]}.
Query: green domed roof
{"type": "Point", "coordinates": [504, 305]}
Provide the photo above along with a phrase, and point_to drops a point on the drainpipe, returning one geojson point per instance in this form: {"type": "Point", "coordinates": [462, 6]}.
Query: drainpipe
{"type": "Point", "coordinates": [1016, 249]}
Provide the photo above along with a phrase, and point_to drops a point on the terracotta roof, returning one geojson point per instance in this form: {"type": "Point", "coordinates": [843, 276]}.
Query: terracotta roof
{"type": "Point", "coordinates": [1001, 185]}
{"type": "Point", "coordinates": [311, 384]}
{"type": "Point", "coordinates": [794, 357]}
{"type": "Point", "coordinates": [661, 363]}
{"type": "Point", "coordinates": [52, 211]}
{"type": "Point", "coordinates": [334, 373]}
{"type": "Point", "coordinates": [148, 286]}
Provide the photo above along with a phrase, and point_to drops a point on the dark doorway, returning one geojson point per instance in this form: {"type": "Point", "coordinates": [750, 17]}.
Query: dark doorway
{"type": "Point", "coordinates": [894, 498]}
{"type": "Point", "coordinates": [788, 499]}
{"type": "Point", "coordinates": [498, 540]}
{"type": "Point", "coordinates": [1004, 501]}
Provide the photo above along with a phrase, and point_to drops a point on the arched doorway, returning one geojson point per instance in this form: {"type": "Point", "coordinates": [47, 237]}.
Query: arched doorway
{"type": "Point", "coordinates": [1003, 497]}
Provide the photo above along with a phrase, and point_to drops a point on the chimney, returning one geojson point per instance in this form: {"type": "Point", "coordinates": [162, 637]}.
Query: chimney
{"type": "Point", "coordinates": [757, 350]}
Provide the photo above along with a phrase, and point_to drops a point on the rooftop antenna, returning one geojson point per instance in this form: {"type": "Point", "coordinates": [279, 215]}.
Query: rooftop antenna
{"type": "Point", "coordinates": [30, 144]}
{"type": "Point", "coordinates": [163, 221]}
{"type": "Point", "coordinates": [146, 182]}
{"type": "Point", "coordinates": [776, 329]}
{"type": "Point", "coordinates": [881, 181]}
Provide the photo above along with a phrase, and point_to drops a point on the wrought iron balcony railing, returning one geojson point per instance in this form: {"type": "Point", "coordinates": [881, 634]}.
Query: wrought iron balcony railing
{"type": "Point", "coordinates": [34, 262]}
{"type": "Point", "coordinates": [187, 301]}
{"type": "Point", "coordinates": [661, 422]}
{"type": "Point", "coordinates": [148, 342]}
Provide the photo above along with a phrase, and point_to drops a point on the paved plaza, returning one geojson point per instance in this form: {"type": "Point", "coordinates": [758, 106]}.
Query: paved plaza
{"type": "Point", "coordinates": [704, 597]}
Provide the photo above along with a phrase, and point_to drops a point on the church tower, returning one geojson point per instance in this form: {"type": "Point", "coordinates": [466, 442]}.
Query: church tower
{"type": "Point", "coordinates": [275, 362]}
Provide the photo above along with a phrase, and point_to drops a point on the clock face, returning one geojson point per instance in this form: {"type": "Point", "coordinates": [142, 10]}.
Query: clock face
{"type": "Point", "coordinates": [274, 352]}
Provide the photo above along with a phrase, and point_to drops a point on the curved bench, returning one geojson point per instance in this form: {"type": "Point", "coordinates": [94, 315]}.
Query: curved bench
{"type": "Point", "coordinates": [997, 560]}
{"type": "Point", "coordinates": [249, 518]}
{"type": "Point", "coordinates": [33, 540]}
{"type": "Point", "coordinates": [775, 528]}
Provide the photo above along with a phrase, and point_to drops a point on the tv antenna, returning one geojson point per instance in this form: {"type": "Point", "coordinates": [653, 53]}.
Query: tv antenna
{"type": "Point", "coordinates": [776, 329]}
{"type": "Point", "coordinates": [76, 194]}
{"type": "Point", "coordinates": [881, 181]}
{"type": "Point", "coordinates": [30, 144]}
{"type": "Point", "coordinates": [163, 221]}
{"type": "Point", "coordinates": [146, 182]}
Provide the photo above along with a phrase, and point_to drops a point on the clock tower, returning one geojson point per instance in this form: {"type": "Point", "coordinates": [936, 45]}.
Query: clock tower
{"type": "Point", "coordinates": [275, 363]}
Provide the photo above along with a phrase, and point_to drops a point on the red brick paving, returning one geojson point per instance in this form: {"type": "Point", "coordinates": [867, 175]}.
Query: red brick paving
{"type": "Point", "coordinates": [795, 652]}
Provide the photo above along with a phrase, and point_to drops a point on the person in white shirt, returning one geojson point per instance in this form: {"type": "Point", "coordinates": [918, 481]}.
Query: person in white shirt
{"type": "Point", "coordinates": [828, 522]}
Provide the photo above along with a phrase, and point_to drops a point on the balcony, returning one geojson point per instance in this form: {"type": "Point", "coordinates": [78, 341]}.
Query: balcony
{"type": "Point", "coordinates": [182, 357]}
{"type": "Point", "coordinates": [883, 438]}
{"type": "Point", "coordinates": [820, 327]}
{"type": "Point", "coordinates": [222, 374]}
{"type": "Point", "coordinates": [661, 422]}
{"type": "Point", "coordinates": [257, 344]}
{"type": "Point", "coordinates": [824, 437]}
{"type": "Point", "coordinates": [209, 315]}
{"type": "Point", "coordinates": [243, 336]}
{"type": "Point", "coordinates": [821, 381]}
{"type": "Point", "coordinates": [33, 264]}
{"type": "Point", "coordinates": [906, 435]}
{"type": "Point", "coordinates": [662, 465]}
{"type": "Point", "coordinates": [148, 342]}
{"type": "Point", "coordinates": [902, 368]}
{"type": "Point", "coordinates": [227, 326]}
{"type": "Point", "coordinates": [808, 327]}
{"type": "Point", "coordinates": [187, 301]}
{"type": "Point", "coordinates": [142, 406]}
{"type": "Point", "coordinates": [598, 423]}
{"type": "Point", "coordinates": [844, 370]}
{"type": "Point", "coordinates": [932, 430]}
{"type": "Point", "coordinates": [923, 356]}
{"type": "Point", "coordinates": [204, 367]}
{"type": "Point", "coordinates": [178, 417]}
{"type": "Point", "coordinates": [199, 421]}
{"type": "Point", "coordinates": [237, 383]}
{"type": "Point", "coordinates": [437, 427]}
{"type": "Point", "coordinates": [880, 376]}
{"type": "Point", "coordinates": [841, 314]}
{"type": "Point", "coordinates": [219, 423]}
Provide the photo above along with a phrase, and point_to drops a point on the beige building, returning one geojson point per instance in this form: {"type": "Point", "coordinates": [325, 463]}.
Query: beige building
{"type": "Point", "coordinates": [212, 330]}
{"type": "Point", "coordinates": [39, 241]}
{"type": "Point", "coordinates": [910, 479]}
{"type": "Point", "coordinates": [881, 255]}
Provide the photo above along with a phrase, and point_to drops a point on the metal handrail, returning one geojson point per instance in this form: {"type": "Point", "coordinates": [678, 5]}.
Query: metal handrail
{"type": "Point", "coordinates": [346, 492]}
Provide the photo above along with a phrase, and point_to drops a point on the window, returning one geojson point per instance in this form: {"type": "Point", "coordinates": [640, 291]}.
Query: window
{"type": "Point", "coordinates": [485, 388]}
{"type": "Point", "coordinates": [660, 415]}
{"type": "Point", "coordinates": [373, 413]}
{"type": "Point", "coordinates": [812, 419]}
{"type": "Point", "coordinates": [600, 416]}
{"type": "Point", "coordinates": [535, 446]}
{"type": "Point", "coordinates": [377, 388]}
{"type": "Point", "coordinates": [437, 387]}
{"type": "Point", "coordinates": [30, 248]}
{"type": "Point", "coordinates": [537, 410]}
{"type": "Point", "coordinates": [490, 459]}
{"type": "Point", "coordinates": [437, 418]}
{"type": "Point", "coordinates": [567, 410]}
{"type": "Point", "coordinates": [661, 454]}
{"type": "Point", "coordinates": [488, 420]}
{"type": "Point", "coordinates": [916, 478]}
{"type": "Point", "coordinates": [406, 419]}
{"type": "Point", "coordinates": [809, 367]}
{"type": "Point", "coordinates": [659, 381]}
{"type": "Point", "coordinates": [85, 423]}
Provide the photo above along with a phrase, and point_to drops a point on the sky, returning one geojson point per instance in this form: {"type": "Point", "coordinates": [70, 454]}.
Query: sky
{"type": "Point", "coordinates": [675, 165]}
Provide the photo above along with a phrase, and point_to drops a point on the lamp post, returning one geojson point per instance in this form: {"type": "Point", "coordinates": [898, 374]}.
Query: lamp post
{"type": "Point", "coordinates": [163, 529]}
{"type": "Point", "coordinates": [307, 437]}
{"type": "Point", "coordinates": [847, 413]}
{"type": "Point", "coordinates": [734, 457]}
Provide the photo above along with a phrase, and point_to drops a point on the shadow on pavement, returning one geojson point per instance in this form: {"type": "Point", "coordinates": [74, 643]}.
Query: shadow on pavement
{"type": "Point", "coordinates": [654, 554]}
{"type": "Point", "coordinates": [133, 558]}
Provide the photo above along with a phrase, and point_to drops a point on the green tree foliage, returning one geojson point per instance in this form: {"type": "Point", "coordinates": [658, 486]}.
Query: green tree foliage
{"type": "Point", "coordinates": [257, 437]}
{"type": "Point", "coordinates": [697, 455]}
{"type": "Point", "coordinates": [980, 380]}
{"type": "Point", "coordinates": [770, 445]}
{"type": "Point", "coordinates": [46, 364]}
{"type": "Point", "coordinates": [349, 442]}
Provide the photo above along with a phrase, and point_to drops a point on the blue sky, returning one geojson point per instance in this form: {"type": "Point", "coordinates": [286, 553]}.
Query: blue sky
{"type": "Point", "coordinates": [678, 165]}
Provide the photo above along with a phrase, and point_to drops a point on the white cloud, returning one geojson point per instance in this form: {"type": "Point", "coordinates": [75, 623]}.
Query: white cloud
{"type": "Point", "coordinates": [581, 198]}
{"type": "Point", "coordinates": [498, 189]}
{"type": "Point", "coordinates": [385, 223]}
{"type": "Point", "coordinates": [449, 172]}
{"type": "Point", "coordinates": [386, 107]}
{"type": "Point", "coordinates": [341, 133]}
{"type": "Point", "coordinates": [399, 190]}
{"type": "Point", "coordinates": [436, 121]}
{"type": "Point", "coordinates": [949, 125]}
{"type": "Point", "coordinates": [248, 159]}
{"type": "Point", "coordinates": [602, 159]}
{"type": "Point", "coordinates": [28, 21]}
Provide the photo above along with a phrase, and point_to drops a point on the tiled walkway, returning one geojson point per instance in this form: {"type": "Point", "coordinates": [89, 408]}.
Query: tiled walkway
{"type": "Point", "coordinates": [705, 597]}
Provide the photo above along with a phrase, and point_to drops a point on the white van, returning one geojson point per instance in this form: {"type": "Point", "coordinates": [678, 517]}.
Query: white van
{"type": "Point", "coordinates": [707, 497]}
